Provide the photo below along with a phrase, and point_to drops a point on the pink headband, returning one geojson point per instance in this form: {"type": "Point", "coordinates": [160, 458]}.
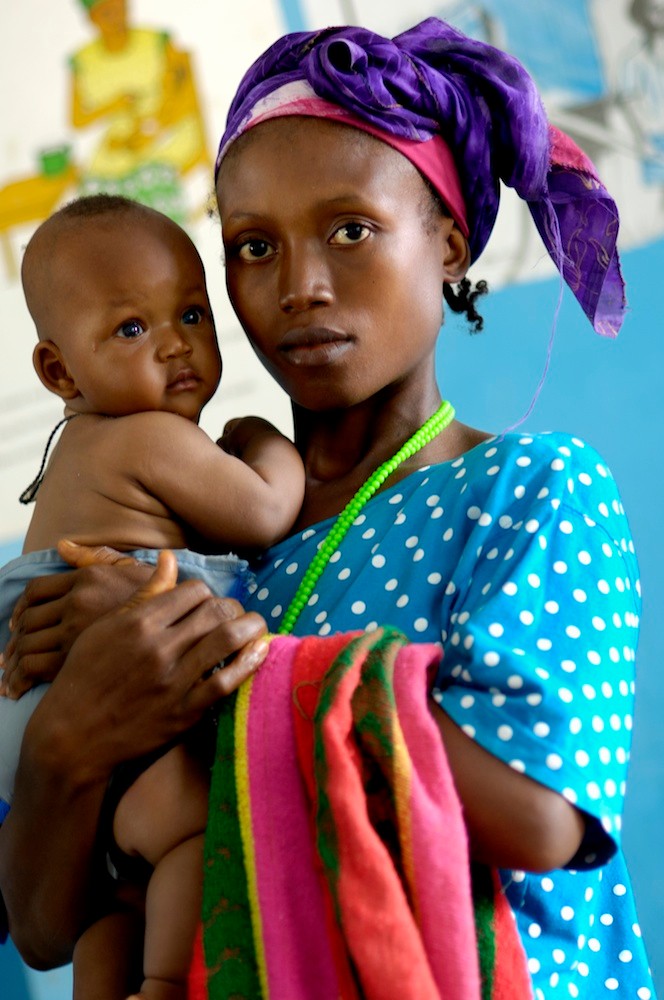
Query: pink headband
{"type": "Point", "coordinates": [432, 157]}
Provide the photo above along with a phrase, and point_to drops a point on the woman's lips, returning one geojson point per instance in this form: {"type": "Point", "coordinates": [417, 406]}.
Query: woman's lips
{"type": "Point", "coordinates": [314, 345]}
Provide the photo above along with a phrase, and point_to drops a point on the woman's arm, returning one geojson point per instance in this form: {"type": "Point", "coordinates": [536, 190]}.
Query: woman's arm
{"type": "Point", "coordinates": [135, 679]}
{"type": "Point", "coordinates": [512, 820]}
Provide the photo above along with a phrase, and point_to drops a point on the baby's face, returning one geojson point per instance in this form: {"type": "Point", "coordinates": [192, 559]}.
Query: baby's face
{"type": "Point", "coordinates": [132, 317]}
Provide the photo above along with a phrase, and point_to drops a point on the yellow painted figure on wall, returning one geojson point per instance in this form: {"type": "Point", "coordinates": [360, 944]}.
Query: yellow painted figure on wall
{"type": "Point", "coordinates": [136, 89]}
{"type": "Point", "coordinates": [141, 86]}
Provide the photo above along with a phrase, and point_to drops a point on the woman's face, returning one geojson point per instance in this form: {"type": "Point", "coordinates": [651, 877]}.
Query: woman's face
{"type": "Point", "coordinates": [335, 261]}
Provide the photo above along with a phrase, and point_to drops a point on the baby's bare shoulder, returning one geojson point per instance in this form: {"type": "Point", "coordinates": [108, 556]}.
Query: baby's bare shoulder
{"type": "Point", "coordinates": [141, 442]}
{"type": "Point", "coordinates": [151, 425]}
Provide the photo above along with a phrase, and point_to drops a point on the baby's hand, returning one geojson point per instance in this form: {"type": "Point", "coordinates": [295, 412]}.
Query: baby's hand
{"type": "Point", "coordinates": [242, 431]}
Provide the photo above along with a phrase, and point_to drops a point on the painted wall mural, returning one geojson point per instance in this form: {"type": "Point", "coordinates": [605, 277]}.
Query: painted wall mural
{"type": "Point", "coordinates": [139, 87]}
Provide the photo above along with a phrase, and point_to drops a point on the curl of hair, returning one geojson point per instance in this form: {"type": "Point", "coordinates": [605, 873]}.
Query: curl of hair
{"type": "Point", "coordinates": [461, 298]}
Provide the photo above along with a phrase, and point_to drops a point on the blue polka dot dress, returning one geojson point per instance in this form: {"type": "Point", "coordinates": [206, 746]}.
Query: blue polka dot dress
{"type": "Point", "coordinates": [517, 559]}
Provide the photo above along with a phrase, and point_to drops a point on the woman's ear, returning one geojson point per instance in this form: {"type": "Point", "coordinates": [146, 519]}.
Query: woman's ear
{"type": "Point", "coordinates": [456, 260]}
{"type": "Point", "coordinates": [52, 370]}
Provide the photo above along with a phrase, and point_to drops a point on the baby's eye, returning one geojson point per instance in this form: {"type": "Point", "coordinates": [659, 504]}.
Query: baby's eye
{"type": "Point", "coordinates": [255, 250]}
{"type": "Point", "coordinates": [130, 330]}
{"type": "Point", "coordinates": [193, 316]}
{"type": "Point", "coordinates": [351, 232]}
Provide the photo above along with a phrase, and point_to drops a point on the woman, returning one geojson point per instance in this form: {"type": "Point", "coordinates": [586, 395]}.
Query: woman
{"type": "Point", "coordinates": [344, 211]}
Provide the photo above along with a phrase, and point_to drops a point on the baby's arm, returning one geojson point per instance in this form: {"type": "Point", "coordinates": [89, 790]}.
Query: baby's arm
{"type": "Point", "coordinates": [248, 495]}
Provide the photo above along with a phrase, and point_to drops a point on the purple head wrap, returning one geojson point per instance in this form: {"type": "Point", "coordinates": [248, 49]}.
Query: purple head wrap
{"type": "Point", "coordinates": [433, 80]}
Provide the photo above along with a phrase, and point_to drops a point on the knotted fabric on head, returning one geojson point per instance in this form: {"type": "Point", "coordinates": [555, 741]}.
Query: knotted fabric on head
{"type": "Point", "coordinates": [434, 81]}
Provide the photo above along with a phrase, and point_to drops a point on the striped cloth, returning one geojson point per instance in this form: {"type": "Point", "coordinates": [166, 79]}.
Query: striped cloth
{"type": "Point", "coordinates": [336, 862]}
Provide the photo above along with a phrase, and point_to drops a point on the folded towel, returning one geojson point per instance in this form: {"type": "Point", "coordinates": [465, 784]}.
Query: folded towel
{"type": "Point", "coordinates": [336, 860]}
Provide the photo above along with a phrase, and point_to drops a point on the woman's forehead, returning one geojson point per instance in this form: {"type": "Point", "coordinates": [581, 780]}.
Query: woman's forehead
{"type": "Point", "coordinates": [292, 147]}
{"type": "Point", "coordinates": [279, 133]}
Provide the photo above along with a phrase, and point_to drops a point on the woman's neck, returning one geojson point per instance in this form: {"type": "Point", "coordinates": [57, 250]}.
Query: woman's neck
{"type": "Point", "coordinates": [341, 448]}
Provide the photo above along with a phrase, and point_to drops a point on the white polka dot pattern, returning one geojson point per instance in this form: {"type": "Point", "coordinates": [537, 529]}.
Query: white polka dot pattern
{"type": "Point", "coordinates": [523, 569]}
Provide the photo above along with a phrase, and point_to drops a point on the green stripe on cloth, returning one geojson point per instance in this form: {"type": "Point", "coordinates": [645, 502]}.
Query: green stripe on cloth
{"type": "Point", "coordinates": [326, 834]}
{"type": "Point", "coordinates": [229, 942]}
{"type": "Point", "coordinates": [483, 901]}
{"type": "Point", "coordinates": [375, 716]}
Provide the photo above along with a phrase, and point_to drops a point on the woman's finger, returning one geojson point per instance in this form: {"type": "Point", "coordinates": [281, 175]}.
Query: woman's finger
{"type": "Point", "coordinates": [34, 619]}
{"type": "Point", "coordinates": [163, 579]}
{"type": "Point", "coordinates": [37, 668]}
{"type": "Point", "coordinates": [243, 665]}
{"type": "Point", "coordinates": [229, 677]}
{"type": "Point", "coordinates": [42, 590]}
{"type": "Point", "coordinates": [80, 556]}
{"type": "Point", "coordinates": [22, 647]}
{"type": "Point", "coordinates": [227, 640]}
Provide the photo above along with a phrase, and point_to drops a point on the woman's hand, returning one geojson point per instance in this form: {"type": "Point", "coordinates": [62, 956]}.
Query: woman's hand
{"type": "Point", "coordinates": [133, 680]}
{"type": "Point", "coordinates": [147, 671]}
{"type": "Point", "coordinates": [54, 610]}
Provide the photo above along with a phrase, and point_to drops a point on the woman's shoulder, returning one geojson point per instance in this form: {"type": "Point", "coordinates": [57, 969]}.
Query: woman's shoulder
{"type": "Point", "coordinates": [539, 449]}
{"type": "Point", "coordinates": [546, 460]}
{"type": "Point", "coordinates": [541, 478]}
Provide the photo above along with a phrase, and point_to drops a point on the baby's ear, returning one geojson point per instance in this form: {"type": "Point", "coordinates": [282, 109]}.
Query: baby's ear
{"type": "Point", "coordinates": [52, 370]}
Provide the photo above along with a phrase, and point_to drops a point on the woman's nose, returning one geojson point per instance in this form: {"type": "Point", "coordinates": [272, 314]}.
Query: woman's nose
{"type": "Point", "coordinates": [303, 281]}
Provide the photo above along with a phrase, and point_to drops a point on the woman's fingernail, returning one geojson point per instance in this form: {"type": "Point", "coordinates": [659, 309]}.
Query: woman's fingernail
{"type": "Point", "coordinates": [258, 651]}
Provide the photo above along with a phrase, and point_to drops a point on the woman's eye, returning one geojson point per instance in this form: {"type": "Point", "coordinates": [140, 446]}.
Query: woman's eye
{"type": "Point", "coordinates": [130, 330]}
{"type": "Point", "coordinates": [352, 232]}
{"type": "Point", "coordinates": [255, 250]}
{"type": "Point", "coordinates": [193, 316]}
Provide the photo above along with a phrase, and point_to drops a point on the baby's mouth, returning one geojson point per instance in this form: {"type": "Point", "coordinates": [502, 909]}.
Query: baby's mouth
{"type": "Point", "coordinates": [186, 379]}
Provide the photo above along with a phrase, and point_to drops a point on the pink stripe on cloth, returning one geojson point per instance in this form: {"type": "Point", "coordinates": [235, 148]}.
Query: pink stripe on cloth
{"type": "Point", "coordinates": [297, 953]}
{"type": "Point", "coordinates": [381, 933]}
{"type": "Point", "coordinates": [442, 890]}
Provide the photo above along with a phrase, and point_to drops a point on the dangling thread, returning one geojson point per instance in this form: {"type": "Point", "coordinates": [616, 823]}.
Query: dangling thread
{"type": "Point", "coordinates": [30, 492]}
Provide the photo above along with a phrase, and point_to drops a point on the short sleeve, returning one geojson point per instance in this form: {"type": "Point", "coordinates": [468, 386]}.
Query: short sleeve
{"type": "Point", "coordinates": [539, 656]}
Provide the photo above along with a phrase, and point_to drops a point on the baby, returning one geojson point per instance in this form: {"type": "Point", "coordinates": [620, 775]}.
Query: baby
{"type": "Point", "coordinates": [127, 339]}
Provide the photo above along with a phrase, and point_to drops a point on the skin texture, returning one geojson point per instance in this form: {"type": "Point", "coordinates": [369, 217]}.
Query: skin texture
{"type": "Point", "coordinates": [337, 282]}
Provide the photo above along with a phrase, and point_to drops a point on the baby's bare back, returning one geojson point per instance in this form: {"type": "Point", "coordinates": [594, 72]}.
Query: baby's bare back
{"type": "Point", "coordinates": [92, 491]}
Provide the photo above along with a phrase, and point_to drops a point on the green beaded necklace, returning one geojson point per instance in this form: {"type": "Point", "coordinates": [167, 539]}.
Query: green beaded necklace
{"type": "Point", "coordinates": [443, 416]}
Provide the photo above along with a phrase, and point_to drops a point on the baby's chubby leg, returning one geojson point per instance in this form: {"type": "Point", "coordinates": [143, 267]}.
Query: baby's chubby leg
{"type": "Point", "coordinates": [108, 957]}
{"type": "Point", "coordinates": [162, 818]}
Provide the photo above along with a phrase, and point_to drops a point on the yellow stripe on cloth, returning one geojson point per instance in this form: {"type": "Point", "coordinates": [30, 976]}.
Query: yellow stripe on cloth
{"type": "Point", "coordinates": [242, 784]}
{"type": "Point", "coordinates": [403, 774]}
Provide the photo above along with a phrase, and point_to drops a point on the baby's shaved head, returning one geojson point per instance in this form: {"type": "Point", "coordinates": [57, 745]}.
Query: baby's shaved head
{"type": "Point", "coordinates": [40, 274]}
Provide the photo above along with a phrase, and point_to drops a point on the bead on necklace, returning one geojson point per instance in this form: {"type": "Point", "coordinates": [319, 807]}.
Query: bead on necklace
{"type": "Point", "coordinates": [429, 430]}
